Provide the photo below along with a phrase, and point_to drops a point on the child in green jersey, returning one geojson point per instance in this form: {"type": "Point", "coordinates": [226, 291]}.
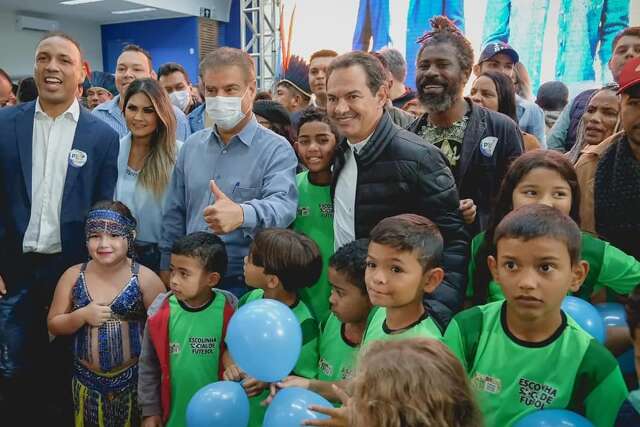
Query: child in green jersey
{"type": "Point", "coordinates": [183, 347]}
{"type": "Point", "coordinates": [342, 332]}
{"type": "Point", "coordinates": [316, 145]}
{"type": "Point", "coordinates": [548, 177]}
{"type": "Point", "coordinates": [526, 354]}
{"type": "Point", "coordinates": [280, 263]}
{"type": "Point", "coordinates": [403, 263]}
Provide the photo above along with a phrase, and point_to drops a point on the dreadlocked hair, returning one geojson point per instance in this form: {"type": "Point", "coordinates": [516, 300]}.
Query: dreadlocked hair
{"type": "Point", "coordinates": [443, 30]}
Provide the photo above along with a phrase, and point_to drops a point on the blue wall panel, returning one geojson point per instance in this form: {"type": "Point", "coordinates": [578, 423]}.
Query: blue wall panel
{"type": "Point", "coordinates": [168, 40]}
{"type": "Point", "coordinates": [229, 32]}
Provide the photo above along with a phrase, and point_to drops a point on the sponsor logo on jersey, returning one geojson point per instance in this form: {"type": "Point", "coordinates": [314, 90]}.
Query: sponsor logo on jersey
{"type": "Point", "coordinates": [304, 211]}
{"type": "Point", "coordinates": [202, 345]}
{"type": "Point", "coordinates": [325, 367]}
{"type": "Point", "coordinates": [174, 348]}
{"type": "Point", "coordinates": [326, 209]}
{"type": "Point", "coordinates": [536, 395]}
{"type": "Point", "coordinates": [346, 373]}
{"type": "Point", "coordinates": [486, 383]}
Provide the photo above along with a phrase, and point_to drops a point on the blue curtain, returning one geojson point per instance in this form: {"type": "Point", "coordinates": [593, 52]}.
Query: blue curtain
{"type": "Point", "coordinates": [372, 23]}
{"type": "Point", "coordinates": [420, 11]}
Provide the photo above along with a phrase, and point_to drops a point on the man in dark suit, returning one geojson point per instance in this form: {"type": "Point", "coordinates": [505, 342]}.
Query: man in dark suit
{"type": "Point", "coordinates": [56, 160]}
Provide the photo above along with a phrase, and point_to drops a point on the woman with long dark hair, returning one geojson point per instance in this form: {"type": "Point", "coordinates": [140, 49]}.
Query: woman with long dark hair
{"type": "Point", "coordinates": [147, 156]}
{"type": "Point", "coordinates": [548, 177]}
{"type": "Point", "coordinates": [495, 92]}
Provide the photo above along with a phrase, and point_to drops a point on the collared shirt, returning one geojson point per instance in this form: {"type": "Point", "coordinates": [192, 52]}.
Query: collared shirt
{"type": "Point", "coordinates": [145, 206]}
{"type": "Point", "coordinates": [111, 114]}
{"type": "Point", "coordinates": [256, 169]}
{"type": "Point", "coordinates": [344, 200]}
{"type": "Point", "coordinates": [531, 119]}
{"type": "Point", "coordinates": [52, 142]}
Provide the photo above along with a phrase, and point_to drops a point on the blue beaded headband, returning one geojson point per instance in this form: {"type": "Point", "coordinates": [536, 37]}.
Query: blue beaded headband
{"type": "Point", "coordinates": [112, 222]}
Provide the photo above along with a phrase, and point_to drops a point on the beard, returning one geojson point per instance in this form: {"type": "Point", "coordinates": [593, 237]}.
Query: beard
{"type": "Point", "coordinates": [439, 102]}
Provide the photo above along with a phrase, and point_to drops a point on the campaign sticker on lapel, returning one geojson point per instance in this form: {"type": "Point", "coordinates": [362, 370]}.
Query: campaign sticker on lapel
{"type": "Point", "coordinates": [488, 145]}
{"type": "Point", "coordinates": [77, 158]}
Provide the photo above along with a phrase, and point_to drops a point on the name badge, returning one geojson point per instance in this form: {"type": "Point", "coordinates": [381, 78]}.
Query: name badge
{"type": "Point", "coordinates": [488, 145]}
{"type": "Point", "coordinates": [77, 158]}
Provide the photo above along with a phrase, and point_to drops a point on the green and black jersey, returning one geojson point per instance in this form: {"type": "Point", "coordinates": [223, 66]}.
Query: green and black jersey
{"type": "Point", "coordinates": [512, 378]}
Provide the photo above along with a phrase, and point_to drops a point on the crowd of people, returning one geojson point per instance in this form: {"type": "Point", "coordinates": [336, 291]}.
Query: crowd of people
{"type": "Point", "coordinates": [425, 240]}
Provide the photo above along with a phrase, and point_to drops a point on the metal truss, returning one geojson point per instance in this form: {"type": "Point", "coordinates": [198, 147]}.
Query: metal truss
{"type": "Point", "coordinates": [260, 37]}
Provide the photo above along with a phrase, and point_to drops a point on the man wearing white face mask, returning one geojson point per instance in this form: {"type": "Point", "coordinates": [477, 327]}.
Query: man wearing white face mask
{"type": "Point", "coordinates": [175, 80]}
{"type": "Point", "coordinates": [233, 178]}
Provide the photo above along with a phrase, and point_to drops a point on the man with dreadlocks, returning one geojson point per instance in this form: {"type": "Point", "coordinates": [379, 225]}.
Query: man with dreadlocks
{"type": "Point", "coordinates": [478, 143]}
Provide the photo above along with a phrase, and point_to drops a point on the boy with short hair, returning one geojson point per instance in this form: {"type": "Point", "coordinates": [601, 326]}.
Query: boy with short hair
{"type": "Point", "coordinates": [316, 145]}
{"type": "Point", "coordinates": [344, 329]}
{"type": "Point", "coordinates": [403, 263]}
{"type": "Point", "coordinates": [183, 348]}
{"type": "Point", "coordinates": [280, 263]}
{"type": "Point", "coordinates": [525, 353]}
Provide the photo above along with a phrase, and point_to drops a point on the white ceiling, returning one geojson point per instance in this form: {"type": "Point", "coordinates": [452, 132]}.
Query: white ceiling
{"type": "Point", "coordinates": [99, 12]}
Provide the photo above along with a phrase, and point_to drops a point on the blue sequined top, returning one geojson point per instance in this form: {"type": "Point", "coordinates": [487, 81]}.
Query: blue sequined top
{"type": "Point", "coordinates": [128, 312]}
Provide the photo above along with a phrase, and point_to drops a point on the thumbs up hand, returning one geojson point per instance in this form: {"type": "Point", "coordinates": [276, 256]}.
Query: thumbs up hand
{"type": "Point", "coordinates": [224, 215]}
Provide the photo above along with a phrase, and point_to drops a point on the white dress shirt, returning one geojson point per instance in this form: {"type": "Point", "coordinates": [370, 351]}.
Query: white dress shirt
{"type": "Point", "coordinates": [344, 201]}
{"type": "Point", "coordinates": [52, 141]}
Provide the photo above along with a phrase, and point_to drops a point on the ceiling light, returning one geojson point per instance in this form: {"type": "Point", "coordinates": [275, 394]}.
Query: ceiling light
{"type": "Point", "coordinates": [74, 2]}
{"type": "Point", "coordinates": [142, 9]}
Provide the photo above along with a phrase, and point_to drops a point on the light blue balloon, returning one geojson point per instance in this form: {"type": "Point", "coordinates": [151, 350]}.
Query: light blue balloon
{"type": "Point", "coordinates": [553, 418]}
{"type": "Point", "coordinates": [220, 404]}
{"type": "Point", "coordinates": [586, 316]}
{"type": "Point", "coordinates": [613, 314]}
{"type": "Point", "coordinates": [264, 338]}
{"type": "Point", "coordinates": [290, 407]}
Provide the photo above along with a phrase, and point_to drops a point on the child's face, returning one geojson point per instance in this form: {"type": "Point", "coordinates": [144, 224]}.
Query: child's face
{"type": "Point", "coordinates": [189, 280]}
{"type": "Point", "coordinates": [316, 146]}
{"type": "Point", "coordinates": [107, 249]}
{"type": "Point", "coordinates": [535, 275]}
{"type": "Point", "coordinates": [544, 186]}
{"type": "Point", "coordinates": [254, 275]}
{"type": "Point", "coordinates": [348, 302]}
{"type": "Point", "coordinates": [395, 278]}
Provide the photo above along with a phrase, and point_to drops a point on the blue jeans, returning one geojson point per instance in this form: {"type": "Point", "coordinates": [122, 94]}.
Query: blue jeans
{"type": "Point", "coordinates": [28, 361]}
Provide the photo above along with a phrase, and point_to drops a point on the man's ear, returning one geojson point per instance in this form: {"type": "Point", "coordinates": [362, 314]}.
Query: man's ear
{"type": "Point", "coordinates": [433, 279]}
{"type": "Point", "coordinates": [382, 95]}
{"type": "Point", "coordinates": [296, 101]}
{"type": "Point", "coordinates": [213, 279]}
{"type": "Point", "coordinates": [272, 281]}
{"type": "Point", "coordinates": [477, 70]}
{"type": "Point", "coordinates": [578, 274]}
{"type": "Point", "coordinates": [493, 267]}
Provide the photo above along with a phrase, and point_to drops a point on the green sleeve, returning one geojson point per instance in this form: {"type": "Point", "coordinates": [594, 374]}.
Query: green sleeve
{"type": "Point", "coordinates": [453, 340]}
{"type": "Point", "coordinates": [307, 365]}
{"type": "Point", "coordinates": [604, 402]}
{"type": "Point", "coordinates": [244, 299]}
{"type": "Point", "coordinates": [471, 271]}
{"type": "Point", "coordinates": [463, 335]}
{"type": "Point", "coordinates": [599, 388]}
{"type": "Point", "coordinates": [620, 272]}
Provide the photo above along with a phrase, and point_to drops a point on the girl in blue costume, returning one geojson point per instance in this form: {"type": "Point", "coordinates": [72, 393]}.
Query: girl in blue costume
{"type": "Point", "coordinates": [103, 303]}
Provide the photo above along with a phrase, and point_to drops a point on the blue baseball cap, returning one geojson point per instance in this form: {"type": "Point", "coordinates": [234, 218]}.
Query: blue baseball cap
{"type": "Point", "coordinates": [494, 48]}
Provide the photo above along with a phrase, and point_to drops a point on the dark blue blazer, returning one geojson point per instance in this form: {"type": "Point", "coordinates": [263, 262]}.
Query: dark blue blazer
{"type": "Point", "coordinates": [83, 186]}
